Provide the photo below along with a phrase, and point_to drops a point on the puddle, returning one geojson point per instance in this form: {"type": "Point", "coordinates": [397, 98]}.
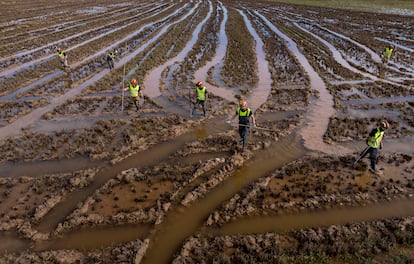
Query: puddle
{"type": "Point", "coordinates": [216, 62]}
{"type": "Point", "coordinates": [260, 93]}
{"type": "Point", "coordinates": [45, 79]}
{"type": "Point", "coordinates": [95, 237]}
{"type": "Point", "coordinates": [40, 168]}
{"type": "Point", "coordinates": [184, 222]}
{"type": "Point", "coordinates": [336, 54]}
{"type": "Point", "coordinates": [374, 56]}
{"type": "Point", "coordinates": [10, 243]}
{"type": "Point", "coordinates": [153, 78]}
{"type": "Point", "coordinates": [319, 112]}
{"type": "Point", "coordinates": [27, 120]}
{"type": "Point", "coordinates": [105, 28]}
{"type": "Point", "coordinates": [149, 157]}
{"type": "Point", "coordinates": [320, 218]}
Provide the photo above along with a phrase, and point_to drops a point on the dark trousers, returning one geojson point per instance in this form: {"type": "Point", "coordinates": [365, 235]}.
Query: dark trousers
{"type": "Point", "coordinates": [135, 101]}
{"type": "Point", "coordinates": [373, 155]}
{"type": "Point", "coordinates": [203, 106]}
{"type": "Point", "coordinates": [110, 62]}
{"type": "Point", "coordinates": [243, 132]}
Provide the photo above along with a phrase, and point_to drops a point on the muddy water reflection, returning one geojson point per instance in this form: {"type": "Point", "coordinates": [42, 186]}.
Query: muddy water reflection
{"type": "Point", "coordinates": [154, 77]}
{"type": "Point", "coordinates": [285, 223]}
{"type": "Point", "coordinates": [10, 243]}
{"type": "Point", "coordinates": [374, 56]}
{"type": "Point", "coordinates": [149, 157]}
{"type": "Point", "coordinates": [317, 117]}
{"type": "Point", "coordinates": [216, 62]}
{"type": "Point", "coordinates": [261, 92]}
{"type": "Point", "coordinates": [184, 222]}
{"type": "Point", "coordinates": [336, 54]}
{"type": "Point", "coordinates": [41, 168]}
{"type": "Point", "coordinates": [29, 119]}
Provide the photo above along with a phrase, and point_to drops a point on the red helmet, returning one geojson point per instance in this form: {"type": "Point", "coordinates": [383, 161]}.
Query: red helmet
{"type": "Point", "coordinates": [134, 81]}
{"type": "Point", "coordinates": [199, 83]}
{"type": "Point", "coordinates": [385, 124]}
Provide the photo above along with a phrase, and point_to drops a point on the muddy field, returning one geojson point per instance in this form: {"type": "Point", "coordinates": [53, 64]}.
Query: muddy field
{"type": "Point", "coordinates": [84, 178]}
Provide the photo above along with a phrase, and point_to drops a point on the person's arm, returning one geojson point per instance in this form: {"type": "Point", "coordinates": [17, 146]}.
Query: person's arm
{"type": "Point", "coordinates": [253, 120]}
{"type": "Point", "coordinates": [141, 94]}
{"type": "Point", "coordinates": [234, 116]}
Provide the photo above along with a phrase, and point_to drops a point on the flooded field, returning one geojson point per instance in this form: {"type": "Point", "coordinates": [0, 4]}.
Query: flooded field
{"type": "Point", "coordinates": [85, 178]}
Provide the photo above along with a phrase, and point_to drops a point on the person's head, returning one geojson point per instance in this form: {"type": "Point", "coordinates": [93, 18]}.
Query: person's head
{"type": "Point", "coordinates": [134, 82]}
{"type": "Point", "coordinates": [200, 84]}
{"type": "Point", "coordinates": [58, 49]}
{"type": "Point", "coordinates": [243, 104]}
{"type": "Point", "coordinates": [384, 125]}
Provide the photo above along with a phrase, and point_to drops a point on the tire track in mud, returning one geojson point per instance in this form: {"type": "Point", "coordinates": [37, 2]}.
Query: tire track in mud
{"type": "Point", "coordinates": [344, 63]}
{"type": "Point", "coordinates": [27, 120]}
{"type": "Point", "coordinates": [150, 157]}
{"type": "Point", "coordinates": [58, 74]}
{"type": "Point", "coordinates": [153, 79]}
{"type": "Point", "coordinates": [216, 62]}
{"type": "Point", "coordinates": [57, 25]}
{"type": "Point", "coordinates": [64, 207]}
{"type": "Point", "coordinates": [182, 222]}
{"type": "Point", "coordinates": [319, 112]}
{"type": "Point", "coordinates": [23, 66]}
{"type": "Point", "coordinates": [68, 25]}
{"type": "Point", "coordinates": [319, 218]}
{"type": "Point", "coordinates": [211, 201]}
{"type": "Point", "coordinates": [259, 94]}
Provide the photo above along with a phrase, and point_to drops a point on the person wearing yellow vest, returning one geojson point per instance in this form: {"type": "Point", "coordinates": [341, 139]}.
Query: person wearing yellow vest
{"type": "Point", "coordinates": [62, 57]}
{"type": "Point", "coordinates": [245, 114]}
{"type": "Point", "coordinates": [388, 53]}
{"type": "Point", "coordinates": [374, 142]}
{"type": "Point", "coordinates": [135, 92]}
{"type": "Point", "coordinates": [201, 95]}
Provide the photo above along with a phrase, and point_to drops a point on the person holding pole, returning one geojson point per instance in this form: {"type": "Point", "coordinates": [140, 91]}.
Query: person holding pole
{"type": "Point", "coordinates": [110, 59]}
{"type": "Point", "coordinates": [135, 92]}
{"type": "Point", "coordinates": [388, 53]}
{"type": "Point", "coordinates": [245, 114]}
{"type": "Point", "coordinates": [374, 143]}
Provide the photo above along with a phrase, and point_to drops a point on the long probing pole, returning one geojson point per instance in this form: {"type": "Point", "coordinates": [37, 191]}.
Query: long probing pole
{"type": "Point", "coordinates": [122, 85]}
{"type": "Point", "coordinates": [360, 156]}
{"type": "Point", "coordinates": [255, 127]}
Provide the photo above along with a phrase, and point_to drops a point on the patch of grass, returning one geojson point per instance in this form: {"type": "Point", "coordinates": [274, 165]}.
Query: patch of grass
{"type": "Point", "coordinates": [362, 5]}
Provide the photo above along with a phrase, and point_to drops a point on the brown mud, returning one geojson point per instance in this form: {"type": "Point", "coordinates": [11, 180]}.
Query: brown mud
{"type": "Point", "coordinates": [85, 178]}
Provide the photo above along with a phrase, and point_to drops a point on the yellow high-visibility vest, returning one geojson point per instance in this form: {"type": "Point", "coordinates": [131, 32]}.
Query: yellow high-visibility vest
{"type": "Point", "coordinates": [133, 90]}
{"type": "Point", "coordinates": [375, 141]}
{"type": "Point", "coordinates": [201, 93]}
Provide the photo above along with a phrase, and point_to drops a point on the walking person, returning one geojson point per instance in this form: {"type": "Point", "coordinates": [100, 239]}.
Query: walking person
{"type": "Point", "coordinates": [388, 53]}
{"type": "Point", "coordinates": [62, 57]}
{"type": "Point", "coordinates": [110, 59]}
{"type": "Point", "coordinates": [245, 114]}
{"type": "Point", "coordinates": [374, 142]}
{"type": "Point", "coordinates": [135, 92]}
{"type": "Point", "coordinates": [201, 95]}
